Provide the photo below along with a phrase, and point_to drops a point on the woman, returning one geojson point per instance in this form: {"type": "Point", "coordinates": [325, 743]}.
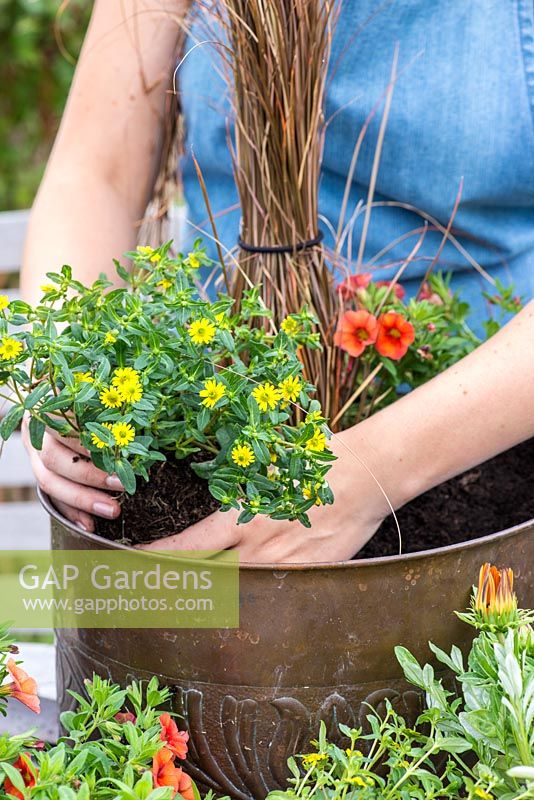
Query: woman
{"type": "Point", "coordinates": [463, 108]}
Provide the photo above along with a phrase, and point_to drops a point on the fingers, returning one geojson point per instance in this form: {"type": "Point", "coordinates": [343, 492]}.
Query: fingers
{"type": "Point", "coordinates": [71, 442]}
{"type": "Point", "coordinates": [216, 532]}
{"type": "Point", "coordinates": [74, 515]}
{"type": "Point", "coordinates": [72, 484]}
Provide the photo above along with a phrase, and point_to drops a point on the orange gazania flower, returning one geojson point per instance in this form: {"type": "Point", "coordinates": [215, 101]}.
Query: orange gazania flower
{"type": "Point", "coordinates": [356, 330]}
{"type": "Point", "coordinates": [28, 773]}
{"type": "Point", "coordinates": [22, 688]}
{"type": "Point", "coordinates": [495, 595]}
{"type": "Point", "coordinates": [185, 787]}
{"type": "Point", "coordinates": [395, 335]}
{"type": "Point", "coordinates": [352, 283]}
{"type": "Point", "coordinates": [174, 739]}
{"type": "Point", "coordinates": [163, 770]}
{"type": "Point", "coordinates": [398, 290]}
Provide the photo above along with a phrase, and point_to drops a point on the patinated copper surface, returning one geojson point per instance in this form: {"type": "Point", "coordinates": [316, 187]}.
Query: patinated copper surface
{"type": "Point", "coordinates": [315, 642]}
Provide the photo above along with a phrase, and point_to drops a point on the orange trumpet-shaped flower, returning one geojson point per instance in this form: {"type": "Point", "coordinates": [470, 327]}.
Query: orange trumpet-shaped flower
{"type": "Point", "coordinates": [22, 688]}
{"type": "Point", "coordinates": [356, 330]}
{"type": "Point", "coordinates": [174, 739]}
{"type": "Point", "coordinates": [395, 335]}
{"type": "Point", "coordinates": [495, 599]}
{"type": "Point", "coordinates": [350, 286]}
{"type": "Point", "coordinates": [28, 773]}
{"type": "Point", "coordinates": [164, 772]}
{"type": "Point", "coordinates": [398, 291]}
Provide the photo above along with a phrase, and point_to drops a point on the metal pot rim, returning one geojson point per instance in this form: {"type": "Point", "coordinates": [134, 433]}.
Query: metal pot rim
{"type": "Point", "coordinates": [360, 563]}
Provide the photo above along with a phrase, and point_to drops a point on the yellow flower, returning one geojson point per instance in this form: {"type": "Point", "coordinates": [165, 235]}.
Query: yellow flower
{"type": "Point", "coordinates": [483, 794]}
{"type": "Point", "coordinates": [145, 250]}
{"type": "Point", "coordinates": [155, 259]}
{"type": "Point", "coordinates": [193, 261]}
{"type": "Point", "coordinates": [46, 288]}
{"type": "Point", "coordinates": [310, 494]}
{"type": "Point", "coordinates": [222, 320]}
{"type": "Point", "coordinates": [212, 392]}
{"type": "Point", "coordinates": [97, 441]}
{"type": "Point", "coordinates": [357, 781]}
{"type": "Point", "coordinates": [314, 416]}
{"type": "Point", "coordinates": [10, 348]}
{"type": "Point", "coordinates": [130, 392]}
{"type": "Point", "coordinates": [83, 377]}
{"type": "Point", "coordinates": [290, 326]}
{"type": "Point", "coordinates": [312, 759]}
{"type": "Point", "coordinates": [317, 443]}
{"type": "Point", "coordinates": [123, 433]}
{"type": "Point", "coordinates": [110, 338]}
{"type": "Point", "coordinates": [243, 455]}
{"type": "Point", "coordinates": [4, 301]}
{"type": "Point", "coordinates": [290, 388]}
{"type": "Point", "coordinates": [495, 599]}
{"type": "Point", "coordinates": [125, 376]}
{"type": "Point", "coordinates": [266, 396]}
{"type": "Point", "coordinates": [111, 397]}
{"type": "Point", "coordinates": [164, 284]}
{"type": "Point", "coordinates": [202, 331]}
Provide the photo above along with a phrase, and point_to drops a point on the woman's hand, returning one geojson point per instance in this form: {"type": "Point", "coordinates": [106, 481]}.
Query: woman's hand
{"type": "Point", "coordinates": [338, 531]}
{"type": "Point", "coordinates": [63, 470]}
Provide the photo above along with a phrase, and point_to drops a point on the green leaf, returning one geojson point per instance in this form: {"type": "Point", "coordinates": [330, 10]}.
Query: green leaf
{"type": "Point", "coordinates": [14, 776]}
{"type": "Point", "coordinates": [37, 429]}
{"type": "Point", "coordinates": [126, 475]}
{"type": "Point", "coordinates": [203, 417]}
{"type": "Point", "coordinates": [11, 421]}
{"type": "Point", "coordinates": [410, 666]}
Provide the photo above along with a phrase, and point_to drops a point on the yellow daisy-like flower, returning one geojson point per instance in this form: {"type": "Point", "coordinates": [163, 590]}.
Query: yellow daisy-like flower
{"type": "Point", "coordinates": [317, 443]}
{"type": "Point", "coordinates": [97, 441]}
{"type": "Point", "coordinates": [145, 250]}
{"type": "Point", "coordinates": [193, 261]}
{"type": "Point", "coordinates": [124, 376]}
{"type": "Point", "coordinates": [266, 396]}
{"type": "Point", "coordinates": [212, 392]}
{"type": "Point", "coordinates": [110, 338]}
{"type": "Point", "coordinates": [311, 494]}
{"type": "Point", "coordinates": [243, 455]}
{"type": "Point", "coordinates": [222, 320]}
{"type": "Point", "coordinates": [164, 284]}
{"type": "Point", "coordinates": [10, 348]}
{"type": "Point", "coordinates": [83, 377]}
{"type": "Point", "coordinates": [202, 331]}
{"type": "Point", "coordinates": [312, 759]}
{"type": "Point", "coordinates": [290, 326]}
{"type": "Point", "coordinates": [290, 388]}
{"type": "Point", "coordinates": [155, 259]}
{"type": "Point", "coordinates": [130, 392]}
{"type": "Point", "coordinates": [46, 288]}
{"type": "Point", "coordinates": [313, 416]}
{"type": "Point", "coordinates": [123, 433]}
{"type": "Point", "coordinates": [111, 397]}
{"type": "Point", "coordinates": [480, 792]}
{"type": "Point", "coordinates": [4, 301]}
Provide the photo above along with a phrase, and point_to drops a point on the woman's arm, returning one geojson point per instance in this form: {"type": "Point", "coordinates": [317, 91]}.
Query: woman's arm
{"type": "Point", "coordinates": [96, 188]}
{"type": "Point", "coordinates": [476, 409]}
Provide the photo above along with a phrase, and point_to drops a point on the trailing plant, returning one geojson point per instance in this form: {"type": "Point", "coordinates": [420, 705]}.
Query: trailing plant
{"type": "Point", "coordinates": [150, 370]}
{"type": "Point", "coordinates": [117, 745]}
{"type": "Point", "coordinates": [475, 743]}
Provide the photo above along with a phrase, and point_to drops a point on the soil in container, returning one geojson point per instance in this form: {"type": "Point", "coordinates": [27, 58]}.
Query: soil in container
{"type": "Point", "coordinates": [485, 500]}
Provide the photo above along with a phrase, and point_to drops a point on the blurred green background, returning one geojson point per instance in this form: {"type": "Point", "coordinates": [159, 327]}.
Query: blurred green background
{"type": "Point", "coordinates": [39, 43]}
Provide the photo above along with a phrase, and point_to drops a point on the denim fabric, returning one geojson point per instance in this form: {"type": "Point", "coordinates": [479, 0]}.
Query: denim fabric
{"type": "Point", "coordinates": [463, 107]}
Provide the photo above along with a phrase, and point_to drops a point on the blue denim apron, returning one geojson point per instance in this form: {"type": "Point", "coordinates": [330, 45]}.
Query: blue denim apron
{"type": "Point", "coordinates": [463, 108]}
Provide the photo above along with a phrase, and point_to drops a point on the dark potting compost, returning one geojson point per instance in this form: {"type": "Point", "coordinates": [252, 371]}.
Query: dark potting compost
{"type": "Point", "coordinates": [485, 500]}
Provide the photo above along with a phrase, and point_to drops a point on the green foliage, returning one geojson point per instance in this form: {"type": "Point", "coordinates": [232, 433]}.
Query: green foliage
{"type": "Point", "coordinates": [35, 77]}
{"type": "Point", "coordinates": [106, 752]}
{"type": "Point", "coordinates": [149, 370]}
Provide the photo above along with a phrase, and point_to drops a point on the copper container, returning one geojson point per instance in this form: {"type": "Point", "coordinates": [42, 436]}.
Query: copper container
{"type": "Point", "coordinates": [315, 643]}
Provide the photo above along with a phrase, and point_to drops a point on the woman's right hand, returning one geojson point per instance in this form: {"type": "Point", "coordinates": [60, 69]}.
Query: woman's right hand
{"type": "Point", "coordinates": [75, 486]}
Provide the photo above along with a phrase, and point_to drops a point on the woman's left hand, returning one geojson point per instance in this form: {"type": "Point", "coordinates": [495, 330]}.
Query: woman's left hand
{"type": "Point", "coordinates": [338, 531]}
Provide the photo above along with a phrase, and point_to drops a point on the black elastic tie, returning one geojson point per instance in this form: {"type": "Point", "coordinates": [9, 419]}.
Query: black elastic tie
{"type": "Point", "coordinates": [281, 248]}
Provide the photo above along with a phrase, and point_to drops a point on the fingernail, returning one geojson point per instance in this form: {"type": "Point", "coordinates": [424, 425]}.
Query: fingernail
{"type": "Point", "coordinates": [104, 510]}
{"type": "Point", "coordinates": [83, 527]}
{"type": "Point", "coordinates": [114, 483]}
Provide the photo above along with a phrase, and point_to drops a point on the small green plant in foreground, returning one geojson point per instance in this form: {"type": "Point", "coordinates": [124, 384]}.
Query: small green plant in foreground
{"type": "Point", "coordinates": [150, 371]}
{"type": "Point", "coordinates": [476, 743]}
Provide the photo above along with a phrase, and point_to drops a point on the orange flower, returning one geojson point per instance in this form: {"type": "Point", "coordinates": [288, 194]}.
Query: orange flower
{"type": "Point", "coordinates": [398, 290]}
{"type": "Point", "coordinates": [185, 786]}
{"type": "Point", "coordinates": [22, 688]}
{"type": "Point", "coordinates": [175, 740]}
{"type": "Point", "coordinates": [349, 287]}
{"type": "Point", "coordinates": [28, 774]}
{"type": "Point", "coordinates": [395, 335]}
{"type": "Point", "coordinates": [164, 771]}
{"type": "Point", "coordinates": [356, 330]}
{"type": "Point", "coordinates": [495, 596]}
